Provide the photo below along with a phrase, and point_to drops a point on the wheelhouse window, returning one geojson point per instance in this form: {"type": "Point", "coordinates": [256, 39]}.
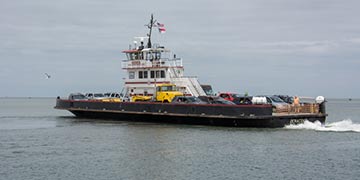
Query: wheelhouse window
{"type": "Point", "coordinates": [157, 55]}
{"type": "Point", "coordinates": [140, 74]}
{"type": "Point", "coordinates": [135, 55]}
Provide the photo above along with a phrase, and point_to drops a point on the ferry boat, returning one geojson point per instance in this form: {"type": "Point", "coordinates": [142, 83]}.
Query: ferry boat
{"type": "Point", "coordinates": [155, 76]}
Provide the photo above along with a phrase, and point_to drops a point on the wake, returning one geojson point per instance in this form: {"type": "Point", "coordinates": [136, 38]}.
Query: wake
{"type": "Point", "coordinates": [341, 126]}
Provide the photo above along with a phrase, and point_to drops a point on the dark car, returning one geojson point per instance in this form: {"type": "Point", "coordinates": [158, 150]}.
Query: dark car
{"type": "Point", "coordinates": [243, 100]}
{"type": "Point", "coordinates": [215, 100]}
{"type": "Point", "coordinates": [207, 89]}
{"type": "Point", "coordinates": [286, 98]}
{"type": "Point", "coordinates": [77, 96]}
{"type": "Point", "coordinates": [236, 98]}
{"type": "Point", "coordinates": [187, 100]}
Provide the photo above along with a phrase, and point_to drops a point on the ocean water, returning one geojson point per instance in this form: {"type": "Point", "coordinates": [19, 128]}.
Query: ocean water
{"type": "Point", "coordinates": [39, 142]}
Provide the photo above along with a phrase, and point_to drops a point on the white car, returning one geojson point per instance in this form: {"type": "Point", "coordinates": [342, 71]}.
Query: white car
{"type": "Point", "coordinates": [277, 103]}
{"type": "Point", "coordinates": [95, 95]}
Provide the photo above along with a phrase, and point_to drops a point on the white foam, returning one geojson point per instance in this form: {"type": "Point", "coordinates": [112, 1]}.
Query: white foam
{"type": "Point", "coordinates": [345, 125]}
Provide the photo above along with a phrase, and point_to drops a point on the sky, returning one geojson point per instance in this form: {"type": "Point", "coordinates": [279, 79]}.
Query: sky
{"type": "Point", "coordinates": [305, 48]}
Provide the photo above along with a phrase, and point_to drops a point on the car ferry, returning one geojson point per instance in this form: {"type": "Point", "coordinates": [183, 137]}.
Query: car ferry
{"type": "Point", "coordinates": [155, 77]}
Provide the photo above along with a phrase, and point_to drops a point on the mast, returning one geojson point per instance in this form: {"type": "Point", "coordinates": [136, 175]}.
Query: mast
{"type": "Point", "coordinates": [150, 26]}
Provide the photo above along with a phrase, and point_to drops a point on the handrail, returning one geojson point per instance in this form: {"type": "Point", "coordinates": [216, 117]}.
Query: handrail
{"type": "Point", "coordinates": [301, 108]}
{"type": "Point", "coordinates": [154, 63]}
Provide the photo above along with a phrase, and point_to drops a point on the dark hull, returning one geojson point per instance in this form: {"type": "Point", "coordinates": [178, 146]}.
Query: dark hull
{"type": "Point", "coordinates": [217, 115]}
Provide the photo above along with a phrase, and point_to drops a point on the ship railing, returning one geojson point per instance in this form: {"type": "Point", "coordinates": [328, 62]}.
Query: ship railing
{"type": "Point", "coordinates": [312, 108]}
{"type": "Point", "coordinates": [192, 84]}
{"type": "Point", "coordinates": [163, 62]}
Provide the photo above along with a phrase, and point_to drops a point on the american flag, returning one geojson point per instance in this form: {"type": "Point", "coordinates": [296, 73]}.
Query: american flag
{"type": "Point", "coordinates": [161, 27]}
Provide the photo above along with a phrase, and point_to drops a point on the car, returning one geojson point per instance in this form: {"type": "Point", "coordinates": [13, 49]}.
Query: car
{"type": "Point", "coordinates": [207, 89]}
{"type": "Point", "coordinates": [243, 100]}
{"type": "Point", "coordinates": [89, 95]}
{"type": "Point", "coordinates": [286, 98]}
{"type": "Point", "coordinates": [236, 98]}
{"type": "Point", "coordinates": [98, 96]}
{"type": "Point", "coordinates": [229, 96]}
{"type": "Point", "coordinates": [215, 100]}
{"type": "Point", "coordinates": [112, 95]}
{"type": "Point", "coordinates": [187, 100]}
{"type": "Point", "coordinates": [277, 103]}
{"type": "Point", "coordinates": [77, 96]}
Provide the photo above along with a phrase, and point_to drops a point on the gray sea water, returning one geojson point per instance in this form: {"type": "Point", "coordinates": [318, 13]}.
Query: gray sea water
{"type": "Point", "coordinates": [39, 142]}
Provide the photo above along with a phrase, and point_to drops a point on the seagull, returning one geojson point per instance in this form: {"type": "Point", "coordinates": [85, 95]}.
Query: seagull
{"type": "Point", "coordinates": [47, 76]}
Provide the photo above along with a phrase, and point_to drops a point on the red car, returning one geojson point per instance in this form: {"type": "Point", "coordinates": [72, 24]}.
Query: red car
{"type": "Point", "coordinates": [229, 96]}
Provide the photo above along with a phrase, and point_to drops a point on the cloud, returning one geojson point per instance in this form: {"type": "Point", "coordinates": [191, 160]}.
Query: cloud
{"type": "Point", "coordinates": [304, 47]}
{"type": "Point", "coordinates": [82, 37]}
{"type": "Point", "coordinates": [354, 40]}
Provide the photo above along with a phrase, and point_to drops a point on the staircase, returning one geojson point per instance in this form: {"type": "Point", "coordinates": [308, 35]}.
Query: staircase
{"type": "Point", "coordinates": [195, 87]}
{"type": "Point", "coordinates": [191, 83]}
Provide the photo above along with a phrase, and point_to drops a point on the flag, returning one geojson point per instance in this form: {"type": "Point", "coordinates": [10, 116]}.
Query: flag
{"type": "Point", "coordinates": [161, 27]}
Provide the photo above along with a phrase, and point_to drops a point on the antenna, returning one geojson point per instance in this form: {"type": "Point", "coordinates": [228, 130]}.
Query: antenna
{"type": "Point", "coordinates": [150, 26]}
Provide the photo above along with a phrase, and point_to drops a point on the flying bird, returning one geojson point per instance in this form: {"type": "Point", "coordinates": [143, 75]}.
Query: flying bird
{"type": "Point", "coordinates": [47, 76]}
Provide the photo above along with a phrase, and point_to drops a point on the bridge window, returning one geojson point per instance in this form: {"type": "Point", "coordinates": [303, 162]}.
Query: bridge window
{"type": "Point", "coordinates": [133, 56]}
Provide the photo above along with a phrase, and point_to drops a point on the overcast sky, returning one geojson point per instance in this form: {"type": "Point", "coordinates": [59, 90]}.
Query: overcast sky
{"type": "Point", "coordinates": [296, 47]}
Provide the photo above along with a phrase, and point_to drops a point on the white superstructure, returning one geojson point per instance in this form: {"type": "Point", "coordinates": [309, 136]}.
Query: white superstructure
{"type": "Point", "coordinates": [149, 65]}
{"type": "Point", "coordinates": [146, 67]}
